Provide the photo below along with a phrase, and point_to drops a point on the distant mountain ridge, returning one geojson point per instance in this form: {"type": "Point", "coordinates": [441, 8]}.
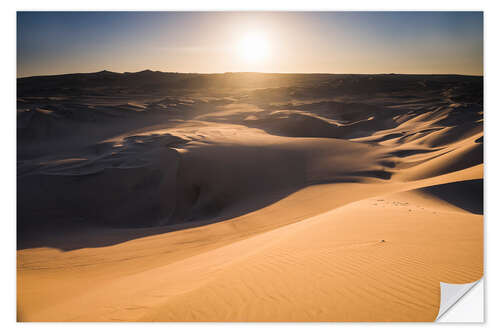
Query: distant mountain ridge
{"type": "Point", "coordinates": [148, 81]}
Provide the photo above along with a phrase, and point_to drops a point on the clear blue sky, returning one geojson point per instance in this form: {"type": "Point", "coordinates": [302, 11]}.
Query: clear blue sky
{"type": "Point", "coordinates": [327, 42]}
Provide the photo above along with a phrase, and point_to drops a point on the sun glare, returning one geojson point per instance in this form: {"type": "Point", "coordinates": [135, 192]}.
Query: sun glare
{"type": "Point", "coordinates": [254, 48]}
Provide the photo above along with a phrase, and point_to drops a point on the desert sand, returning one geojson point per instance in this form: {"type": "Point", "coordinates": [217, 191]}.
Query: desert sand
{"type": "Point", "coordinates": [246, 197]}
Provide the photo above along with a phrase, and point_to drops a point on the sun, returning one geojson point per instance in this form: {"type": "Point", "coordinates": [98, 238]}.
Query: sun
{"type": "Point", "coordinates": [254, 47]}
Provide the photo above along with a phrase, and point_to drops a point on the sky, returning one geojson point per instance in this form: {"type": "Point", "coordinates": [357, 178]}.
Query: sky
{"type": "Point", "coordinates": [276, 42]}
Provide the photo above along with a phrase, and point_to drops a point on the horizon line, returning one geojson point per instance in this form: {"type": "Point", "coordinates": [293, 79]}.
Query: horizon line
{"type": "Point", "coordinates": [245, 72]}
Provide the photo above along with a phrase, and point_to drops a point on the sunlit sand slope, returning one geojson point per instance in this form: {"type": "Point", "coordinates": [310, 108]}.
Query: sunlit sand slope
{"type": "Point", "coordinates": [376, 259]}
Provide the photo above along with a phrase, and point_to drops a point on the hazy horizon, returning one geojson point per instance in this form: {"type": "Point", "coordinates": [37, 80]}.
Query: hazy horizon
{"type": "Point", "coordinates": [53, 43]}
{"type": "Point", "coordinates": [214, 73]}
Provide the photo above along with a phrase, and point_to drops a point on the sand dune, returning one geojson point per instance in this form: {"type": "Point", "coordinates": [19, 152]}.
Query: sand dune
{"type": "Point", "coordinates": [246, 197]}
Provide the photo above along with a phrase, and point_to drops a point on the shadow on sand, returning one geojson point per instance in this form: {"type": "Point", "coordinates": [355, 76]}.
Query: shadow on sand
{"type": "Point", "coordinates": [467, 194]}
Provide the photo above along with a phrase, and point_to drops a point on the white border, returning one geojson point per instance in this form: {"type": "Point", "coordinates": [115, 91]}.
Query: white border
{"type": "Point", "coordinates": [8, 151]}
{"type": "Point", "coordinates": [259, 5]}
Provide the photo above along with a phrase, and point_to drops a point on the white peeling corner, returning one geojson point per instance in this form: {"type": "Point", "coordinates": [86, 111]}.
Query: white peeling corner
{"type": "Point", "coordinates": [461, 302]}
